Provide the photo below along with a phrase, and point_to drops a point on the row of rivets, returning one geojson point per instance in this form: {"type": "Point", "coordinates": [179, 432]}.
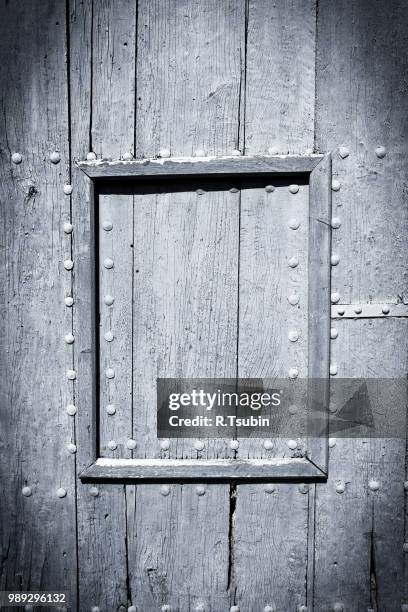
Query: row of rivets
{"type": "Point", "coordinates": [27, 491]}
{"type": "Point", "coordinates": [54, 157]}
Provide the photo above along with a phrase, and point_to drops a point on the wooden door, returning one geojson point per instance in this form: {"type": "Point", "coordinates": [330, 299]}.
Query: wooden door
{"type": "Point", "coordinates": [83, 79]}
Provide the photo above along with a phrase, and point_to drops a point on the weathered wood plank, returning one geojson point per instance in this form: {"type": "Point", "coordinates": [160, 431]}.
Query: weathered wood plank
{"type": "Point", "coordinates": [115, 211]}
{"type": "Point", "coordinates": [360, 532]}
{"type": "Point", "coordinates": [185, 297]}
{"type": "Point", "coordinates": [279, 114]}
{"type": "Point", "coordinates": [189, 68]}
{"type": "Point", "coordinates": [188, 98]}
{"type": "Point", "coordinates": [37, 530]}
{"type": "Point", "coordinates": [101, 512]}
{"type": "Point", "coordinates": [203, 469]}
{"type": "Point", "coordinates": [223, 165]}
{"type": "Point", "coordinates": [360, 107]}
{"type": "Point", "coordinates": [280, 76]}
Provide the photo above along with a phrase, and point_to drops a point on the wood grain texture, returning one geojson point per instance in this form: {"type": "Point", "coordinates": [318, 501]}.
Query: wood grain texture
{"type": "Point", "coordinates": [361, 105]}
{"type": "Point", "coordinates": [280, 45]}
{"type": "Point", "coordinates": [360, 99]}
{"type": "Point", "coordinates": [101, 519]}
{"type": "Point", "coordinates": [189, 68]}
{"type": "Point", "coordinates": [38, 531]}
{"type": "Point", "coordinates": [186, 50]}
{"type": "Point", "coordinates": [280, 76]}
{"type": "Point", "coordinates": [185, 301]}
{"type": "Point", "coordinates": [116, 318]}
{"type": "Point", "coordinates": [360, 533]}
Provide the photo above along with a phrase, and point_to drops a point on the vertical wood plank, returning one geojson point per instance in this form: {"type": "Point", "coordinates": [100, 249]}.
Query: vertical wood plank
{"type": "Point", "coordinates": [190, 58]}
{"type": "Point", "coordinates": [38, 530]}
{"type": "Point", "coordinates": [360, 100]}
{"type": "Point", "coordinates": [189, 68]}
{"type": "Point", "coordinates": [280, 76]}
{"type": "Point", "coordinates": [101, 68]}
{"type": "Point", "coordinates": [279, 117]}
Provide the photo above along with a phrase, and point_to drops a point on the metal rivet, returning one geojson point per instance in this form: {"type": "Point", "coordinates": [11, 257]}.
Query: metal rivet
{"type": "Point", "coordinates": [268, 609]}
{"type": "Point", "coordinates": [234, 190]}
{"type": "Point", "coordinates": [16, 158]}
{"type": "Point", "coordinates": [199, 445]}
{"type": "Point", "coordinates": [269, 488]}
{"type": "Point", "coordinates": [374, 485]}
{"type": "Point", "coordinates": [61, 492]}
{"type": "Point", "coordinates": [338, 607]}
{"type": "Point", "coordinates": [95, 609]}
{"type": "Point", "coordinates": [268, 445]}
{"type": "Point", "coordinates": [293, 335]}
{"type": "Point", "coordinates": [112, 445]}
{"type": "Point", "coordinates": [341, 311]}
{"type": "Point", "coordinates": [293, 188]}
{"type": "Point", "coordinates": [293, 262]}
{"type": "Point", "coordinates": [334, 260]}
{"type": "Point", "coordinates": [293, 409]}
{"type": "Point", "coordinates": [131, 444]}
{"type": "Point", "coordinates": [340, 487]}
{"type": "Point", "coordinates": [333, 333]}
{"type": "Point", "coordinates": [294, 224]}
{"type": "Point", "coordinates": [68, 264]}
{"type": "Point", "coordinates": [293, 299]}
{"type": "Point", "coordinates": [293, 373]}
{"type": "Point", "coordinates": [164, 153]}
{"type": "Point", "coordinates": [107, 226]}
{"type": "Point", "coordinates": [381, 152]}
{"type": "Point", "coordinates": [200, 490]}
{"type": "Point", "coordinates": [67, 189]}
{"type": "Point", "coordinates": [166, 608]}
{"type": "Point", "coordinates": [273, 150]}
{"type": "Point", "coordinates": [385, 309]}
{"type": "Point", "coordinates": [108, 299]}
{"type": "Point", "coordinates": [199, 153]}
{"type": "Point", "coordinates": [108, 336]}
{"type": "Point", "coordinates": [110, 409]}
{"type": "Point", "coordinates": [127, 156]}
{"type": "Point", "coordinates": [71, 410]}
{"type": "Point", "coordinates": [26, 491]}
{"type": "Point", "coordinates": [234, 609]}
{"type": "Point", "coordinates": [335, 185]}
{"type": "Point", "coordinates": [236, 152]}
{"type": "Point", "coordinates": [91, 156]}
{"type": "Point", "coordinates": [69, 301]}
{"type": "Point", "coordinates": [55, 157]}
{"type": "Point", "coordinates": [110, 373]}
{"type": "Point", "coordinates": [335, 297]}
{"type": "Point", "coordinates": [302, 608]}
{"type": "Point", "coordinates": [164, 490]}
{"type": "Point", "coordinates": [69, 339]}
{"type": "Point", "coordinates": [335, 223]}
{"type": "Point", "coordinates": [333, 369]}
{"type": "Point", "coordinates": [234, 444]}
{"type": "Point", "coordinates": [292, 444]}
{"type": "Point", "coordinates": [303, 488]}
{"type": "Point", "coordinates": [358, 309]}
{"type": "Point", "coordinates": [108, 263]}
{"type": "Point", "coordinates": [344, 152]}
{"type": "Point", "coordinates": [71, 448]}
{"type": "Point", "coordinates": [200, 191]}
{"type": "Point", "coordinates": [71, 375]}
{"type": "Point", "coordinates": [68, 227]}
{"type": "Point", "coordinates": [332, 442]}
{"type": "Point", "coordinates": [269, 188]}
{"type": "Point", "coordinates": [165, 444]}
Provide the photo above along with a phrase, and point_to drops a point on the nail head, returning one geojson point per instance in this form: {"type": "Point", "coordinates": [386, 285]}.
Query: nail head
{"type": "Point", "coordinates": [61, 492]}
{"type": "Point", "coordinates": [112, 445]}
{"type": "Point", "coordinates": [68, 227]}
{"type": "Point", "coordinates": [26, 491]}
{"type": "Point", "coordinates": [68, 264]}
{"type": "Point", "coordinates": [55, 157]}
{"type": "Point", "coordinates": [67, 189]}
{"type": "Point", "coordinates": [71, 410]}
{"type": "Point", "coordinates": [293, 188]}
{"type": "Point", "coordinates": [16, 158]}
{"type": "Point", "coordinates": [110, 409]}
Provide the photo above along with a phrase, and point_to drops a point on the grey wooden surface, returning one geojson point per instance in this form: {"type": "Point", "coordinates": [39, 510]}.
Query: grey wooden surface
{"type": "Point", "coordinates": [191, 77]}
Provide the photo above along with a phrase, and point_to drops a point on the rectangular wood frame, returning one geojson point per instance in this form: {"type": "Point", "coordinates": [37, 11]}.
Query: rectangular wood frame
{"type": "Point", "coordinates": [312, 467]}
